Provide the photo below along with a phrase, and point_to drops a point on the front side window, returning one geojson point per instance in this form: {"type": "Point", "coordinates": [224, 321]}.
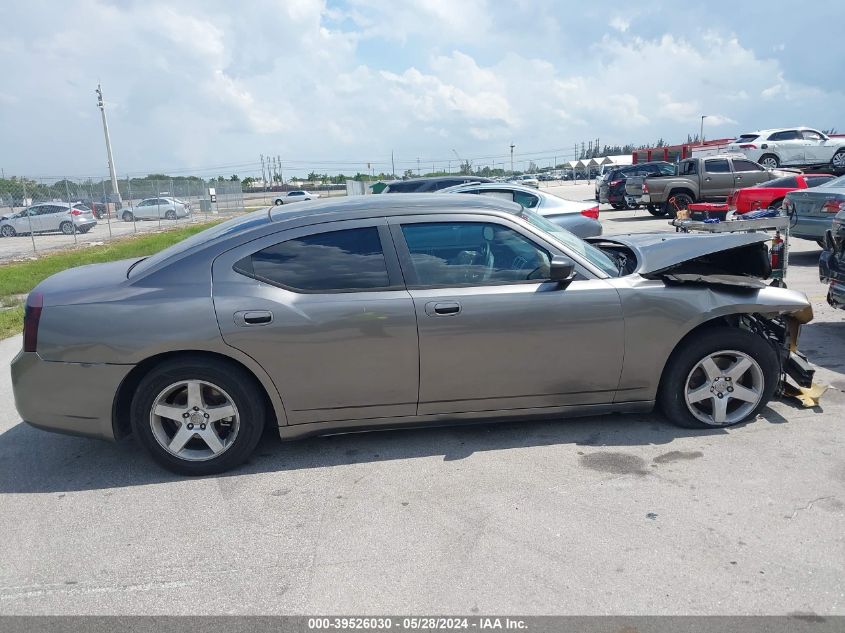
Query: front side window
{"type": "Point", "coordinates": [345, 260]}
{"type": "Point", "coordinates": [812, 135]}
{"type": "Point", "coordinates": [473, 253]}
{"type": "Point", "coordinates": [747, 165]}
{"type": "Point", "coordinates": [717, 166]}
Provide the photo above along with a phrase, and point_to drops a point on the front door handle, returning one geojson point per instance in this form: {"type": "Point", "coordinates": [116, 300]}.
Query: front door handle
{"type": "Point", "coordinates": [442, 308]}
{"type": "Point", "coordinates": [246, 318]}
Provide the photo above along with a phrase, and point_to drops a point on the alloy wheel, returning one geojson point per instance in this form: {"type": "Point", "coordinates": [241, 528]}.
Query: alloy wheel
{"type": "Point", "coordinates": [194, 420]}
{"type": "Point", "coordinates": [770, 162]}
{"type": "Point", "coordinates": [724, 387]}
{"type": "Point", "coordinates": [838, 161]}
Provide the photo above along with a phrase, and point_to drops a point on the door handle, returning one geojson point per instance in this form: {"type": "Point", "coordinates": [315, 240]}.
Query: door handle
{"type": "Point", "coordinates": [707, 179]}
{"type": "Point", "coordinates": [442, 308]}
{"type": "Point", "coordinates": [253, 317]}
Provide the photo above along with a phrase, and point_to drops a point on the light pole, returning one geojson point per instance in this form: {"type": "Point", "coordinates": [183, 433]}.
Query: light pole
{"type": "Point", "coordinates": [512, 146]}
{"type": "Point", "coordinates": [701, 132]}
{"type": "Point", "coordinates": [112, 170]}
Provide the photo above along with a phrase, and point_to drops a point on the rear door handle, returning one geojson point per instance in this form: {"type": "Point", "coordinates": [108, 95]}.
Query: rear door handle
{"type": "Point", "coordinates": [442, 308]}
{"type": "Point", "coordinates": [253, 317]}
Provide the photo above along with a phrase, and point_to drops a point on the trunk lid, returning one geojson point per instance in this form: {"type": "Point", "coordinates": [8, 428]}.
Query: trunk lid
{"type": "Point", "coordinates": [84, 283]}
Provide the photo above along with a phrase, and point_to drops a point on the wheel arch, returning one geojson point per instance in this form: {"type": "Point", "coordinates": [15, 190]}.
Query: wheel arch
{"type": "Point", "coordinates": [682, 189]}
{"type": "Point", "coordinates": [123, 398]}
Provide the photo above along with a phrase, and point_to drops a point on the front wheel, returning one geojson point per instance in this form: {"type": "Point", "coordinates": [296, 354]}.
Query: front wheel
{"type": "Point", "coordinates": [197, 416]}
{"type": "Point", "coordinates": [278, 202]}
{"type": "Point", "coordinates": [127, 216]}
{"type": "Point", "coordinates": [8, 231]}
{"type": "Point", "coordinates": [838, 160]}
{"type": "Point", "coordinates": [720, 377]}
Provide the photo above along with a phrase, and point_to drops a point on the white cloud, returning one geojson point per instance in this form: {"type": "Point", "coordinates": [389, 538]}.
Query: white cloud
{"type": "Point", "coordinates": [195, 83]}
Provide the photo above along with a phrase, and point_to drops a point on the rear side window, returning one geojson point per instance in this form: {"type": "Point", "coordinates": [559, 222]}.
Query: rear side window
{"type": "Point", "coordinates": [335, 261]}
{"type": "Point", "coordinates": [746, 138]}
{"type": "Point", "coordinates": [786, 182]}
{"type": "Point", "coordinates": [688, 168]}
{"type": "Point", "coordinates": [815, 181]}
{"type": "Point", "coordinates": [717, 166]}
{"type": "Point", "coordinates": [747, 165]}
{"type": "Point", "coordinates": [403, 187]}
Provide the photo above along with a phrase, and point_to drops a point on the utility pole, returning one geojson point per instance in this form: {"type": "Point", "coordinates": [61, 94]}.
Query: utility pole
{"type": "Point", "coordinates": [512, 146]}
{"type": "Point", "coordinates": [112, 170]}
{"type": "Point", "coordinates": [392, 164]}
{"type": "Point", "coordinates": [263, 177]}
{"type": "Point", "coordinates": [701, 133]}
{"type": "Point", "coordinates": [281, 173]}
{"type": "Point", "coordinates": [418, 165]}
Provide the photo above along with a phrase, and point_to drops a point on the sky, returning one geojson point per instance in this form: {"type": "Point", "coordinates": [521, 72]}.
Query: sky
{"type": "Point", "coordinates": [207, 86]}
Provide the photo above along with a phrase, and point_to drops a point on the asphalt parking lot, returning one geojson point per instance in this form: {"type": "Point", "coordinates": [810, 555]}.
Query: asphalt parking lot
{"type": "Point", "coordinates": [604, 515]}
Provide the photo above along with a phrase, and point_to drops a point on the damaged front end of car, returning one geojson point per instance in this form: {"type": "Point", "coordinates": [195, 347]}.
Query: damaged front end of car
{"type": "Point", "coordinates": [735, 267]}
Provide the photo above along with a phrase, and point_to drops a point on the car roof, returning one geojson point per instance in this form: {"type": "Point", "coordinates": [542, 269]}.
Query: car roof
{"type": "Point", "coordinates": [779, 129]}
{"type": "Point", "coordinates": [355, 207]}
{"type": "Point", "coordinates": [441, 178]}
{"type": "Point", "coordinates": [488, 185]}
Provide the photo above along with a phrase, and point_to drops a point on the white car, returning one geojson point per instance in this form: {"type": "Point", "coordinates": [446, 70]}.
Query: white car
{"type": "Point", "coordinates": [48, 217]}
{"type": "Point", "coordinates": [526, 180]}
{"type": "Point", "coordinates": [797, 146]}
{"type": "Point", "coordinates": [156, 208]}
{"type": "Point", "coordinates": [297, 195]}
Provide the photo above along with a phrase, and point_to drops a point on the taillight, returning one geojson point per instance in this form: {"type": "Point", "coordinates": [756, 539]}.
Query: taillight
{"type": "Point", "coordinates": [613, 183]}
{"type": "Point", "coordinates": [748, 146]}
{"type": "Point", "coordinates": [75, 212]}
{"type": "Point", "coordinates": [31, 317]}
{"type": "Point", "coordinates": [592, 212]}
{"type": "Point", "coordinates": [833, 206]}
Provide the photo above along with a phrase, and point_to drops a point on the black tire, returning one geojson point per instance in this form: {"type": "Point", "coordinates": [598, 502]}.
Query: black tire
{"type": "Point", "coordinates": [617, 205]}
{"type": "Point", "coordinates": [676, 202]}
{"type": "Point", "coordinates": [127, 216]}
{"type": "Point", "coordinates": [775, 161]}
{"type": "Point", "coordinates": [278, 202]}
{"type": "Point", "coordinates": [236, 382]}
{"type": "Point", "coordinates": [671, 395]}
{"type": "Point", "coordinates": [85, 230]}
{"type": "Point", "coordinates": [170, 215]}
{"type": "Point", "coordinates": [837, 163]}
{"type": "Point", "coordinates": [66, 228]}
{"type": "Point", "coordinates": [8, 231]}
{"type": "Point", "coordinates": [821, 243]}
{"type": "Point", "coordinates": [657, 212]}
{"type": "Point", "coordinates": [775, 204]}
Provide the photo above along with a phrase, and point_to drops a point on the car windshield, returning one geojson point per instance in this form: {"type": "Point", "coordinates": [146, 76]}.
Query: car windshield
{"type": "Point", "coordinates": [589, 252]}
{"type": "Point", "coordinates": [836, 183]}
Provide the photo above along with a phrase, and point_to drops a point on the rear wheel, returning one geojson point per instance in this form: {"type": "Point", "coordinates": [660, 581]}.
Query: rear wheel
{"type": "Point", "coordinates": [278, 201]}
{"type": "Point", "coordinates": [617, 205]}
{"type": "Point", "coordinates": [127, 216]}
{"type": "Point", "coordinates": [770, 161]}
{"type": "Point", "coordinates": [85, 230]}
{"type": "Point", "coordinates": [197, 416]}
{"type": "Point", "coordinates": [170, 215]}
{"type": "Point", "coordinates": [8, 231]}
{"type": "Point", "coordinates": [775, 204]}
{"type": "Point", "coordinates": [66, 228]}
{"type": "Point", "coordinates": [721, 377]}
{"type": "Point", "coordinates": [677, 202]}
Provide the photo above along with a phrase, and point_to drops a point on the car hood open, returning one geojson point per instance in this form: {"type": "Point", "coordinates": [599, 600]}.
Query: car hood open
{"type": "Point", "coordinates": [658, 254]}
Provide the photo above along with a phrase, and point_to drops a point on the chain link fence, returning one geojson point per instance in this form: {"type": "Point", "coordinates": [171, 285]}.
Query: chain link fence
{"type": "Point", "coordinates": [38, 215]}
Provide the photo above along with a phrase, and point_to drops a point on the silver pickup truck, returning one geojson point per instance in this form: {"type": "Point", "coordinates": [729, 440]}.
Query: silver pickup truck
{"type": "Point", "coordinates": [706, 179]}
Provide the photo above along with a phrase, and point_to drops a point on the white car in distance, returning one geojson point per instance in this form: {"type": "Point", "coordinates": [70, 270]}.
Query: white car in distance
{"type": "Point", "coordinates": [796, 146]}
{"type": "Point", "coordinates": [297, 195]}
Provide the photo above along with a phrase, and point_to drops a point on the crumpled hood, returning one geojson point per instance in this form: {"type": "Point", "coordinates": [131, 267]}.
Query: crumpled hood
{"type": "Point", "coordinates": [660, 252]}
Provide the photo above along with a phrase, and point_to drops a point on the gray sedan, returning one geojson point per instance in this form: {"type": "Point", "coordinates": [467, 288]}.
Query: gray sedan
{"type": "Point", "coordinates": [395, 311]}
{"type": "Point", "coordinates": [812, 210]}
{"type": "Point", "coordinates": [580, 218]}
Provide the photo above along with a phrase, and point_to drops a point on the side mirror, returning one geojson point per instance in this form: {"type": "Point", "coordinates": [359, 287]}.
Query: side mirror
{"type": "Point", "coordinates": [561, 269]}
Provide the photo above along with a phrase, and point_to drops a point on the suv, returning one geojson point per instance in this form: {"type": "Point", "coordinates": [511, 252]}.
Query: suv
{"type": "Point", "coordinates": [428, 185]}
{"type": "Point", "coordinates": [798, 146]}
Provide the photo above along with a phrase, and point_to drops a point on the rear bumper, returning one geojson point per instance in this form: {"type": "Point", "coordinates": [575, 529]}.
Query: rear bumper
{"type": "Point", "coordinates": [71, 398]}
{"type": "Point", "coordinates": [810, 227]}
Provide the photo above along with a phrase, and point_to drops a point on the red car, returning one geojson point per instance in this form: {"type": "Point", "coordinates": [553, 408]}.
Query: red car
{"type": "Point", "coordinates": [771, 193]}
